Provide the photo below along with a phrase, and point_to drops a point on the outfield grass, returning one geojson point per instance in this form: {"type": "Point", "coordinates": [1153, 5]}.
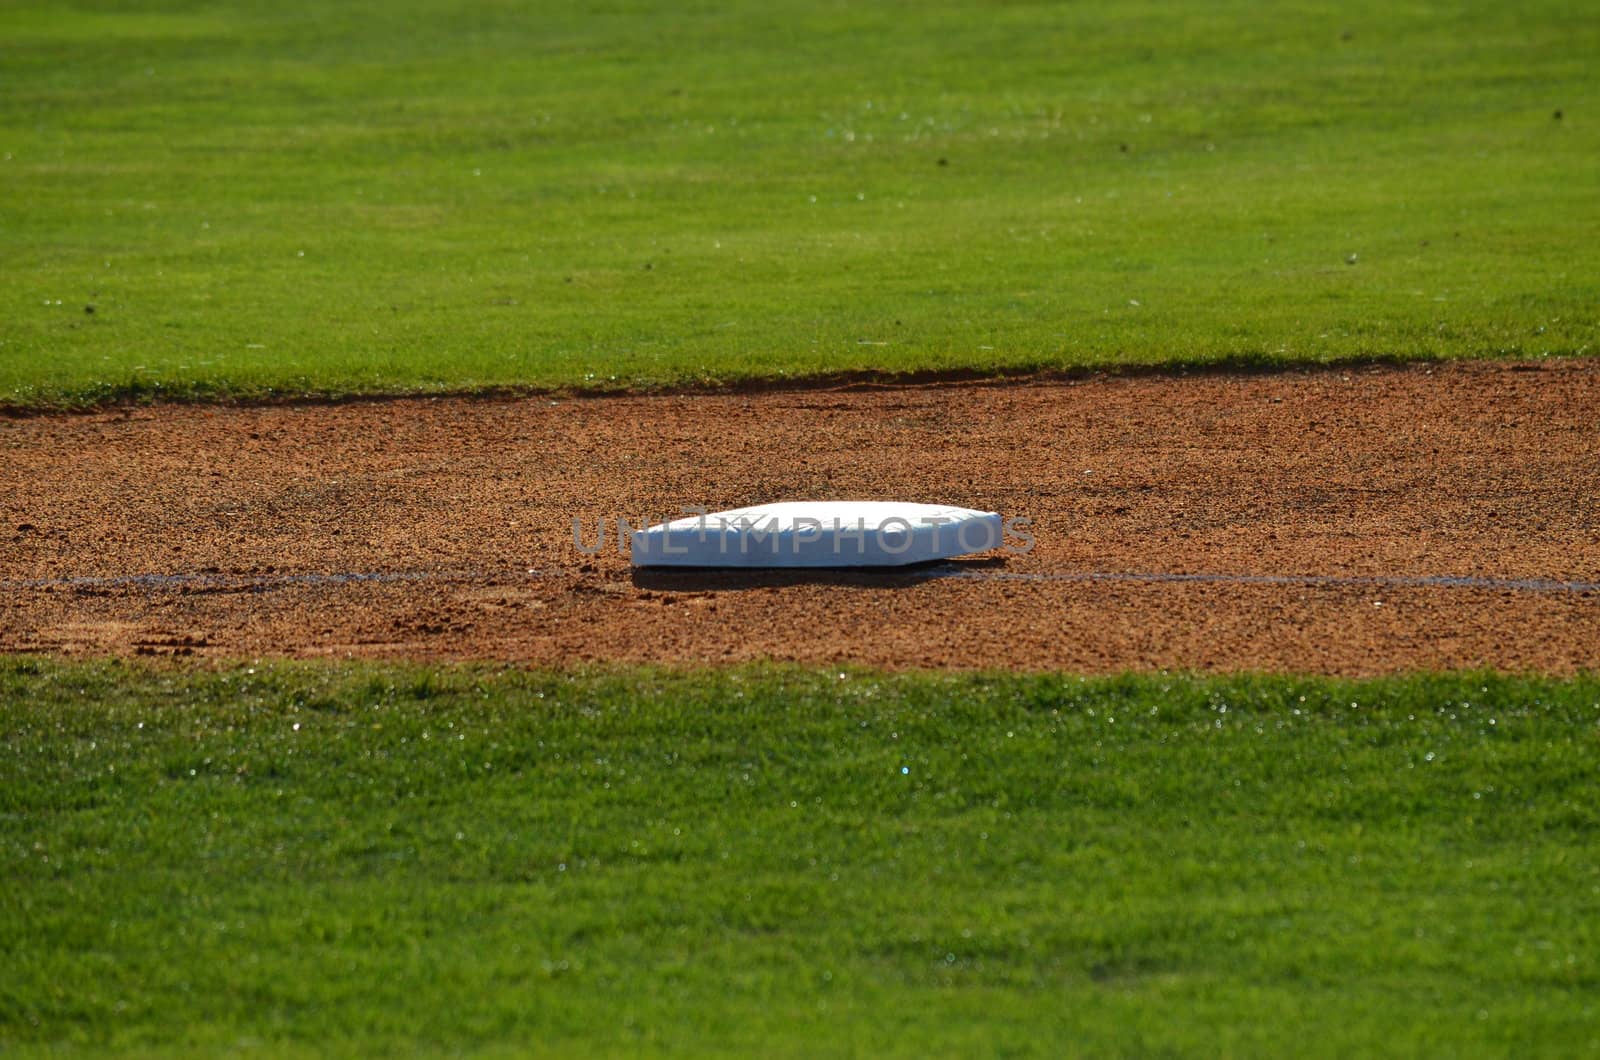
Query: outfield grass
{"type": "Point", "coordinates": [358, 860]}
{"type": "Point", "coordinates": [425, 195]}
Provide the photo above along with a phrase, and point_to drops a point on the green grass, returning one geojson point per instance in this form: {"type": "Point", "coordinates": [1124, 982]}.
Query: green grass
{"type": "Point", "coordinates": [359, 861]}
{"type": "Point", "coordinates": [313, 197]}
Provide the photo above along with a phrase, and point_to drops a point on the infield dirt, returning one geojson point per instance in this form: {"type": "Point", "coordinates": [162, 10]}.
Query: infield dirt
{"type": "Point", "coordinates": [1350, 521]}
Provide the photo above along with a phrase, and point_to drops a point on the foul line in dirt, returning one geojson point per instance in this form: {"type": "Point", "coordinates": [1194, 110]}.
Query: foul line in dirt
{"type": "Point", "coordinates": [215, 582]}
{"type": "Point", "coordinates": [1378, 581]}
{"type": "Point", "coordinates": [727, 578]}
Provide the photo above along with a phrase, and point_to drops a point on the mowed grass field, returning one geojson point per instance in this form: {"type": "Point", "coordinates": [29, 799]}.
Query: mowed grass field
{"type": "Point", "coordinates": [358, 860]}
{"type": "Point", "coordinates": [235, 199]}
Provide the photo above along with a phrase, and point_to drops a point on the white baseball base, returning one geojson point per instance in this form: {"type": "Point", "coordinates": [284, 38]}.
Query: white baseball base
{"type": "Point", "coordinates": [819, 534]}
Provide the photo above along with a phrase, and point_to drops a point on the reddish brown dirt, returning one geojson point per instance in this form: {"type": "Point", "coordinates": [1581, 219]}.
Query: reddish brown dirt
{"type": "Point", "coordinates": [1483, 470]}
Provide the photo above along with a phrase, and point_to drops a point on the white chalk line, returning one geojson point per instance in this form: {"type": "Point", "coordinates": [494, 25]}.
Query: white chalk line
{"type": "Point", "coordinates": [241, 582]}
{"type": "Point", "coordinates": [218, 582]}
{"type": "Point", "coordinates": [1377, 581]}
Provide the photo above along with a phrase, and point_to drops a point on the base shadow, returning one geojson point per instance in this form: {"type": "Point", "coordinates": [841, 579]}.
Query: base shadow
{"type": "Point", "coordinates": [734, 579]}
